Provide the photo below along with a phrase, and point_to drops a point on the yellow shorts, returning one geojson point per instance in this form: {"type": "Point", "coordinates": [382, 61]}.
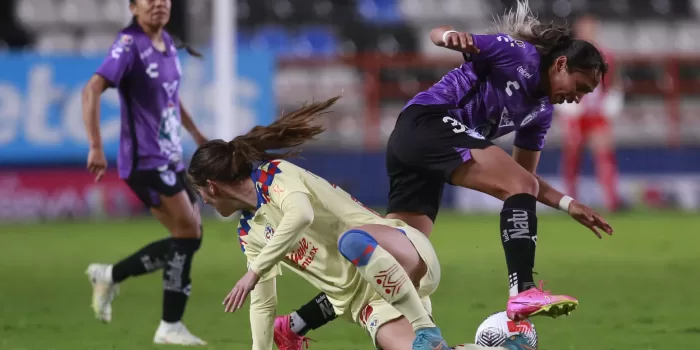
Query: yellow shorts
{"type": "Point", "coordinates": [377, 312]}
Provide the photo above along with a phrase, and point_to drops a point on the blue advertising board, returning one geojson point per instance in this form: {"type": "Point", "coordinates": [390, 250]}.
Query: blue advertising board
{"type": "Point", "coordinates": [40, 103]}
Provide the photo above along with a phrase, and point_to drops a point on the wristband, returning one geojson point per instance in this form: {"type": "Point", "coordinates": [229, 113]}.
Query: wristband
{"type": "Point", "coordinates": [565, 202]}
{"type": "Point", "coordinates": [444, 35]}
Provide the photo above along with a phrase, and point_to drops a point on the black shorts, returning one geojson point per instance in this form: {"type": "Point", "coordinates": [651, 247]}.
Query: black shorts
{"type": "Point", "coordinates": [149, 185]}
{"type": "Point", "coordinates": [426, 146]}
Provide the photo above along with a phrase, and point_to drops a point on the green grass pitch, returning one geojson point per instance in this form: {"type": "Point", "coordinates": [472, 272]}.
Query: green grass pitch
{"type": "Point", "coordinates": [638, 289]}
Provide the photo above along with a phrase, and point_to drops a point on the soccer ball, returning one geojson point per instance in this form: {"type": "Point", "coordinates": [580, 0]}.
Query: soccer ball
{"type": "Point", "coordinates": [494, 331]}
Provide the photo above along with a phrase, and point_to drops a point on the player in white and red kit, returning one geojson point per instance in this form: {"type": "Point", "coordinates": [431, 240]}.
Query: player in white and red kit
{"type": "Point", "coordinates": [589, 122]}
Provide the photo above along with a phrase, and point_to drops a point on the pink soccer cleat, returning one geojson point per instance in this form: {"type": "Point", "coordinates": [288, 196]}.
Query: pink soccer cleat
{"type": "Point", "coordinates": [285, 339]}
{"type": "Point", "coordinates": [536, 301]}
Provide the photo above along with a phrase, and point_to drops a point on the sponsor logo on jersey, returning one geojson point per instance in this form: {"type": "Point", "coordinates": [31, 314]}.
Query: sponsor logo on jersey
{"type": "Point", "coordinates": [304, 254]}
{"type": "Point", "coordinates": [524, 72]}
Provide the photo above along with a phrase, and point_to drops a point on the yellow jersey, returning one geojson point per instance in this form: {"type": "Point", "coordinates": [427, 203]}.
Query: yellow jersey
{"type": "Point", "coordinates": [303, 236]}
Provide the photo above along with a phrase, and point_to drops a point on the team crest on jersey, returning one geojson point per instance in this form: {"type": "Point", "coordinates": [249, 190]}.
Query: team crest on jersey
{"type": "Point", "coordinates": [170, 87]}
{"type": "Point", "coordinates": [269, 231]}
{"type": "Point", "coordinates": [506, 120]}
{"type": "Point", "coordinates": [126, 40]}
{"type": "Point", "coordinates": [373, 323]}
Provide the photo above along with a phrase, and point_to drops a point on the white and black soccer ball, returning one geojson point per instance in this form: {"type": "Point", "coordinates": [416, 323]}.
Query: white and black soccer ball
{"type": "Point", "coordinates": [496, 328]}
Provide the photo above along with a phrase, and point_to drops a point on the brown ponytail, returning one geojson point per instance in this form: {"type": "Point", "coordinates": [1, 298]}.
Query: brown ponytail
{"type": "Point", "coordinates": [219, 160]}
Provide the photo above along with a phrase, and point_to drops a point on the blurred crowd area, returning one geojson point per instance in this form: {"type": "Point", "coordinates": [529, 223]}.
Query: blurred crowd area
{"type": "Point", "coordinates": [377, 53]}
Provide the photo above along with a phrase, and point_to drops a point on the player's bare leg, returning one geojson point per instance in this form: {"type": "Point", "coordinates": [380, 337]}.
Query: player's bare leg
{"type": "Point", "coordinates": [420, 222]}
{"type": "Point", "coordinates": [396, 335]}
{"type": "Point", "coordinates": [387, 259]}
{"type": "Point", "coordinates": [494, 172]}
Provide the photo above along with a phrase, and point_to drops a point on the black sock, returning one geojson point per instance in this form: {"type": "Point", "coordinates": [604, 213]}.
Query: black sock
{"type": "Point", "coordinates": [316, 313]}
{"type": "Point", "coordinates": [148, 259]}
{"type": "Point", "coordinates": [176, 277]}
{"type": "Point", "coordinates": [519, 237]}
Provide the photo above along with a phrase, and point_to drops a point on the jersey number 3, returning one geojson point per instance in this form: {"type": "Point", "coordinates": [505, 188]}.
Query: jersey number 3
{"type": "Point", "coordinates": [460, 127]}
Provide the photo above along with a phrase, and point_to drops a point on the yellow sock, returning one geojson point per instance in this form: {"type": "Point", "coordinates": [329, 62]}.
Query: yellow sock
{"type": "Point", "coordinates": [391, 281]}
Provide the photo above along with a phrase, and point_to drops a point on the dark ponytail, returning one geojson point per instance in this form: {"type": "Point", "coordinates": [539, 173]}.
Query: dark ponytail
{"type": "Point", "coordinates": [179, 44]}
{"type": "Point", "coordinates": [219, 160]}
{"type": "Point", "coordinates": [551, 40]}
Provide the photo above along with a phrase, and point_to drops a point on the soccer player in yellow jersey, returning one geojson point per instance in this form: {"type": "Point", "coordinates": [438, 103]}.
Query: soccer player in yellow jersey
{"type": "Point", "coordinates": [377, 272]}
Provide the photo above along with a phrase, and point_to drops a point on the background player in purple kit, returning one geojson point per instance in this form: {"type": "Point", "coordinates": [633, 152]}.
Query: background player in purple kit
{"type": "Point", "coordinates": [508, 84]}
{"type": "Point", "coordinates": [144, 67]}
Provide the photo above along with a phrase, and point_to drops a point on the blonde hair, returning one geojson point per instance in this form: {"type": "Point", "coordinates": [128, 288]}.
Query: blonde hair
{"type": "Point", "coordinates": [521, 24]}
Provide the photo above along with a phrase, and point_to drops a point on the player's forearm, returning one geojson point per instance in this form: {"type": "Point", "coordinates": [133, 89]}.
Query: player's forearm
{"type": "Point", "coordinates": [91, 114]}
{"type": "Point", "coordinates": [263, 308]}
{"type": "Point", "coordinates": [437, 34]}
{"type": "Point", "coordinates": [188, 122]}
{"type": "Point", "coordinates": [548, 195]}
{"type": "Point", "coordinates": [298, 216]}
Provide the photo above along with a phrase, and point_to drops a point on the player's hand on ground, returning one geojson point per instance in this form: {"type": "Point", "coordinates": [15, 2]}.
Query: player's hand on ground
{"type": "Point", "coordinates": [97, 163]}
{"type": "Point", "coordinates": [235, 299]}
{"type": "Point", "coordinates": [461, 41]}
{"type": "Point", "coordinates": [589, 218]}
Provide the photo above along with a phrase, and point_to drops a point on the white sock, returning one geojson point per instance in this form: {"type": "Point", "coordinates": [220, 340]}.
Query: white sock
{"type": "Point", "coordinates": [108, 274]}
{"type": "Point", "coordinates": [168, 326]}
{"type": "Point", "coordinates": [296, 322]}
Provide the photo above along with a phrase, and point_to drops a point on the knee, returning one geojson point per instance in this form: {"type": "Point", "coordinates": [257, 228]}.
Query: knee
{"type": "Point", "coordinates": [357, 246]}
{"type": "Point", "coordinates": [187, 228]}
{"type": "Point", "coordinates": [522, 183]}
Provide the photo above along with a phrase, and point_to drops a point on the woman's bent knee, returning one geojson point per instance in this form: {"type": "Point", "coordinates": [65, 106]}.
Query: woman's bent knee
{"type": "Point", "coordinates": [525, 183]}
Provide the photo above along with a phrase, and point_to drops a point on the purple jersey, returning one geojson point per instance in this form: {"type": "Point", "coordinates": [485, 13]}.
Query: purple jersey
{"type": "Point", "coordinates": [148, 83]}
{"type": "Point", "coordinates": [495, 92]}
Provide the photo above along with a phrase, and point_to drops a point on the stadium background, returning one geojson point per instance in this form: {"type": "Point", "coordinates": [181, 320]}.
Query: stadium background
{"type": "Point", "coordinates": [377, 54]}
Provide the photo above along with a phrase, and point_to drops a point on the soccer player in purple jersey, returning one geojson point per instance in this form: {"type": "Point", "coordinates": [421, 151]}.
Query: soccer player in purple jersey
{"type": "Point", "coordinates": [509, 82]}
{"type": "Point", "coordinates": [143, 65]}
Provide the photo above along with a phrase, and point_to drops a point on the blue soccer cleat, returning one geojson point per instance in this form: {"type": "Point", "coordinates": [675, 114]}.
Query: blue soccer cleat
{"type": "Point", "coordinates": [429, 339]}
{"type": "Point", "coordinates": [517, 342]}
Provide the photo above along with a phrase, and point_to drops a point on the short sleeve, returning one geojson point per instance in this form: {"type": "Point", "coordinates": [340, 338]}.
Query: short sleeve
{"type": "Point", "coordinates": [120, 60]}
{"type": "Point", "coordinates": [532, 137]}
{"type": "Point", "coordinates": [278, 180]}
{"type": "Point", "coordinates": [498, 50]}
